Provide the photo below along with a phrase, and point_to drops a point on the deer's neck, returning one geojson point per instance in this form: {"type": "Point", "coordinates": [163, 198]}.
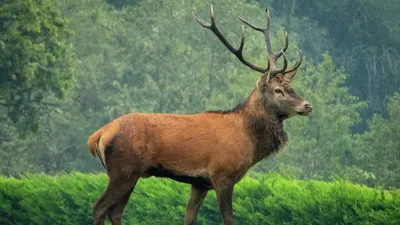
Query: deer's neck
{"type": "Point", "coordinates": [264, 127]}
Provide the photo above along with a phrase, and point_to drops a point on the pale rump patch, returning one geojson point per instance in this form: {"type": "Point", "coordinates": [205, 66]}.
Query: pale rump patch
{"type": "Point", "coordinates": [100, 149]}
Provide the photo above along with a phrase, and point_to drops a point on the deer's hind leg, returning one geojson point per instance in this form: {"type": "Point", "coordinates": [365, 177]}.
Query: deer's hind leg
{"type": "Point", "coordinates": [116, 211]}
{"type": "Point", "coordinates": [114, 199]}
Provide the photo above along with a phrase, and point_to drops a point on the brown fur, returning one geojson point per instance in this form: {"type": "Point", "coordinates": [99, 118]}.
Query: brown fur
{"type": "Point", "coordinates": [210, 150]}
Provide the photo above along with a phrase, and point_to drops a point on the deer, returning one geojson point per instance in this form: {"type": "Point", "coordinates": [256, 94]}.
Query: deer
{"type": "Point", "coordinates": [211, 150]}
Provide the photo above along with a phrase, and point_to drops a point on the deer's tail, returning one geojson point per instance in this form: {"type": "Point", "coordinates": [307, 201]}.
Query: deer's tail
{"type": "Point", "coordinates": [96, 147]}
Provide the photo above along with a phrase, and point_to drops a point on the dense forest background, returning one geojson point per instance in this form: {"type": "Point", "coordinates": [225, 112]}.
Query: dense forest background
{"type": "Point", "coordinates": [68, 67]}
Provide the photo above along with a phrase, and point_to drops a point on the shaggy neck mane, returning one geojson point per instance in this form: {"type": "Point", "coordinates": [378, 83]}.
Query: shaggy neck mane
{"type": "Point", "coordinates": [238, 108]}
{"type": "Point", "coordinates": [263, 124]}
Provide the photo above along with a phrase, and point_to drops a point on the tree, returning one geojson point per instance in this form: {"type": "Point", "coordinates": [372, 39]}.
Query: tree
{"type": "Point", "coordinates": [36, 69]}
{"type": "Point", "coordinates": [36, 60]}
{"type": "Point", "coordinates": [376, 152]}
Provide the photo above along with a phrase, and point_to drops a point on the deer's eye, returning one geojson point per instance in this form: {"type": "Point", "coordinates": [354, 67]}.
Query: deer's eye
{"type": "Point", "coordinates": [279, 91]}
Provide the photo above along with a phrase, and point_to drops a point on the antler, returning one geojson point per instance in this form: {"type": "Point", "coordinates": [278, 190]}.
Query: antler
{"type": "Point", "coordinates": [296, 65]}
{"type": "Point", "coordinates": [237, 52]}
{"type": "Point", "coordinates": [272, 58]}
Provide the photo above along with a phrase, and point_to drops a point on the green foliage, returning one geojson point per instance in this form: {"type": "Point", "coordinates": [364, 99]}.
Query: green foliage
{"type": "Point", "coordinates": [268, 199]}
{"type": "Point", "coordinates": [36, 61]}
{"type": "Point", "coordinates": [377, 151]}
{"type": "Point", "coordinates": [121, 3]}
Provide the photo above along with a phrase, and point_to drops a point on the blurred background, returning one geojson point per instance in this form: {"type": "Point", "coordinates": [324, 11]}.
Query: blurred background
{"type": "Point", "coordinates": [68, 67]}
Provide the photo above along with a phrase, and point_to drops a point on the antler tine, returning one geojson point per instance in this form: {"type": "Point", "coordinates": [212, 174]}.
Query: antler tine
{"type": "Point", "coordinates": [297, 64]}
{"type": "Point", "coordinates": [251, 25]}
{"type": "Point", "coordinates": [265, 31]}
{"type": "Point", "coordinates": [272, 57]}
{"type": "Point", "coordinates": [286, 45]}
{"type": "Point", "coordinates": [284, 48]}
{"type": "Point", "coordinates": [275, 70]}
{"type": "Point", "coordinates": [237, 52]}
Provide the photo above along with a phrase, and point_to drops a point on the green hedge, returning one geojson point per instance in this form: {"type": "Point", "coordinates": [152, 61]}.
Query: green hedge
{"type": "Point", "coordinates": [267, 199]}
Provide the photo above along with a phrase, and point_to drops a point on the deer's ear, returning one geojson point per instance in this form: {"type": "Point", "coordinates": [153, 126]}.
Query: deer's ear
{"type": "Point", "coordinates": [262, 82]}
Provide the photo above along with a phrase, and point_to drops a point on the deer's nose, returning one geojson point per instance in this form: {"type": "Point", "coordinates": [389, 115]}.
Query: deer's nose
{"type": "Point", "coordinates": [308, 106]}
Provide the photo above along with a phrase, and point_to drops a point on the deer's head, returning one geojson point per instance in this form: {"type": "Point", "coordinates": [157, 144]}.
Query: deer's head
{"type": "Point", "coordinates": [273, 87]}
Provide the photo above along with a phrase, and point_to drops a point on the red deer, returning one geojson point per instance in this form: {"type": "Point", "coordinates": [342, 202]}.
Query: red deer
{"type": "Point", "coordinates": [210, 150]}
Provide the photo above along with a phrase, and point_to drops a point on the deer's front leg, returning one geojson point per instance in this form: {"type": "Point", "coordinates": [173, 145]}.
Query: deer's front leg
{"type": "Point", "coordinates": [197, 196]}
{"type": "Point", "coordinates": [224, 191]}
